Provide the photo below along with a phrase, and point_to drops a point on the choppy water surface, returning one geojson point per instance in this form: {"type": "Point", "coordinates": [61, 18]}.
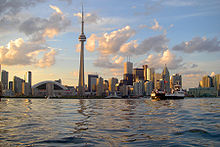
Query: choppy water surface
{"type": "Point", "coordinates": [135, 122]}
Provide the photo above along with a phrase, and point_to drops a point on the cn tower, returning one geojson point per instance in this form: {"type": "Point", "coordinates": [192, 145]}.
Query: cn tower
{"type": "Point", "coordinates": [82, 39]}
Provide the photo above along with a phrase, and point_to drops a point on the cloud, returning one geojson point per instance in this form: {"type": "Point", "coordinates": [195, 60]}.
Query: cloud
{"type": "Point", "coordinates": [48, 59]}
{"type": "Point", "coordinates": [194, 65]}
{"type": "Point", "coordinates": [78, 47]}
{"type": "Point", "coordinates": [40, 28]}
{"type": "Point", "coordinates": [179, 3]}
{"type": "Point", "coordinates": [91, 43]}
{"type": "Point", "coordinates": [89, 17]}
{"type": "Point", "coordinates": [212, 74]}
{"type": "Point", "coordinates": [104, 62]}
{"type": "Point", "coordinates": [199, 44]}
{"type": "Point", "coordinates": [116, 42]}
{"type": "Point", "coordinates": [155, 43]}
{"type": "Point", "coordinates": [111, 43]}
{"type": "Point", "coordinates": [118, 59]}
{"type": "Point", "coordinates": [156, 26]}
{"type": "Point", "coordinates": [159, 60]}
{"type": "Point", "coordinates": [56, 9]}
{"type": "Point", "coordinates": [19, 52]}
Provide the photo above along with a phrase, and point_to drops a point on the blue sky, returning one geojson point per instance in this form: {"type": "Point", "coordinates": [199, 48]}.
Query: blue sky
{"type": "Point", "coordinates": [42, 36]}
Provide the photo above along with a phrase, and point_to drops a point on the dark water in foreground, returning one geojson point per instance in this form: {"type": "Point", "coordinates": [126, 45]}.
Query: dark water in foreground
{"type": "Point", "coordinates": [137, 122]}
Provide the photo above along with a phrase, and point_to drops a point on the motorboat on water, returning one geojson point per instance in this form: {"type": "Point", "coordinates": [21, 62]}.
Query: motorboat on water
{"type": "Point", "coordinates": [162, 95]}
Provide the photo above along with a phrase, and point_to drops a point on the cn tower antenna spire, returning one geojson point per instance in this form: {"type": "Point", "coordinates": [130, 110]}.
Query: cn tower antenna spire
{"type": "Point", "coordinates": [82, 20]}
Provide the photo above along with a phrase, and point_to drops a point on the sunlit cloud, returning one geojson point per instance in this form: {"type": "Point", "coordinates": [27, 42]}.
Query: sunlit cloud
{"type": "Point", "coordinates": [56, 9]}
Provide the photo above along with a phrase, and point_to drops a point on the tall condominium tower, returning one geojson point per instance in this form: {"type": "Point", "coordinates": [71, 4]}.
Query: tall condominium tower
{"type": "Point", "coordinates": [28, 80]}
{"type": "Point", "coordinates": [4, 79]}
{"type": "Point", "coordinates": [82, 39]}
{"type": "Point", "coordinates": [166, 78]}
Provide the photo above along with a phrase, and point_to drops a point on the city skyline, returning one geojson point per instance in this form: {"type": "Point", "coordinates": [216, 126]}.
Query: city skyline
{"type": "Point", "coordinates": [45, 42]}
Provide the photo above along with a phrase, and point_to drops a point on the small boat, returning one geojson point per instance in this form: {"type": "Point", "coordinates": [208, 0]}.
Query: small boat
{"type": "Point", "coordinates": [114, 95]}
{"type": "Point", "coordinates": [161, 95]}
{"type": "Point", "coordinates": [158, 95]}
{"type": "Point", "coordinates": [47, 97]}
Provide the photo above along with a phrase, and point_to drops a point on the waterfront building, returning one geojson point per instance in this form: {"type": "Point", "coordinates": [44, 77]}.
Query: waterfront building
{"type": "Point", "coordinates": [112, 82]}
{"type": "Point", "coordinates": [161, 85]}
{"type": "Point", "coordinates": [92, 82]}
{"type": "Point", "coordinates": [25, 88]}
{"type": "Point", "coordinates": [166, 78]}
{"type": "Point", "coordinates": [28, 80]}
{"type": "Point", "coordinates": [128, 79]}
{"type": "Point", "coordinates": [99, 86]}
{"type": "Point", "coordinates": [148, 87]}
{"type": "Point", "coordinates": [106, 85]}
{"type": "Point", "coordinates": [216, 83]}
{"type": "Point", "coordinates": [59, 81]}
{"type": "Point", "coordinates": [206, 82]}
{"type": "Point", "coordinates": [145, 67]}
{"type": "Point", "coordinates": [138, 74]}
{"type": "Point", "coordinates": [157, 78]}
{"type": "Point", "coordinates": [203, 92]}
{"type": "Point", "coordinates": [50, 89]}
{"type": "Point", "coordinates": [4, 79]}
{"type": "Point", "coordinates": [128, 66]}
{"type": "Point", "coordinates": [10, 85]}
{"type": "Point", "coordinates": [139, 88]}
{"type": "Point", "coordinates": [82, 39]}
{"type": "Point", "coordinates": [175, 79]}
{"type": "Point", "coordinates": [17, 85]}
{"type": "Point", "coordinates": [150, 75]}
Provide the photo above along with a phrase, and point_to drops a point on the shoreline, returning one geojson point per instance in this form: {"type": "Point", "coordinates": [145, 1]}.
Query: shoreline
{"type": "Point", "coordinates": [60, 98]}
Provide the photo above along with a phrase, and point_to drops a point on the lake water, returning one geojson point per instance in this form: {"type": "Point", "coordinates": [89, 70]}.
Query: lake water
{"type": "Point", "coordinates": [110, 122]}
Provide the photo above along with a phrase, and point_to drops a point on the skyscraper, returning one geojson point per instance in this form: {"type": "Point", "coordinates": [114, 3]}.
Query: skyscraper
{"type": "Point", "coordinates": [112, 82]}
{"type": "Point", "coordinates": [128, 66]}
{"type": "Point", "coordinates": [17, 85]}
{"type": "Point", "coordinates": [100, 88]}
{"type": "Point", "coordinates": [28, 80]}
{"type": "Point", "coordinates": [82, 39]}
{"type": "Point", "coordinates": [145, 67]}
{"type": "Point", "coordinates": [4, 79]}
{"type": "Point", "coordinates": [175, 79]}
{"type": "Point", "coordinates": [166, 78]}
{"type": "Point", "coordinates": [92, 82]}
{"type": "Point", "coordinates": [138, 74]}
{"type": "Point", "coordinates": [206, 82]}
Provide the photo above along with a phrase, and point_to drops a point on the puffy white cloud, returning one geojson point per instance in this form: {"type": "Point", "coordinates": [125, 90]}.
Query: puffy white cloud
{"type": "Point", "coordinates": [199, 44]}
{"type": "Point", "coordinates": [89, 17]}
{"type": "Point", "coordinates": [91, 43]}
{"type": "Point", "coordinates": [48, 59]}
{"type": "Point", "coordinates": [116, 42]}
{"type": "Point", "coordinates": [112, 42]}
{"type": "Point", "coordinates": [159, 60]}
{"type": "Point", "coordinates": [19, 52]}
